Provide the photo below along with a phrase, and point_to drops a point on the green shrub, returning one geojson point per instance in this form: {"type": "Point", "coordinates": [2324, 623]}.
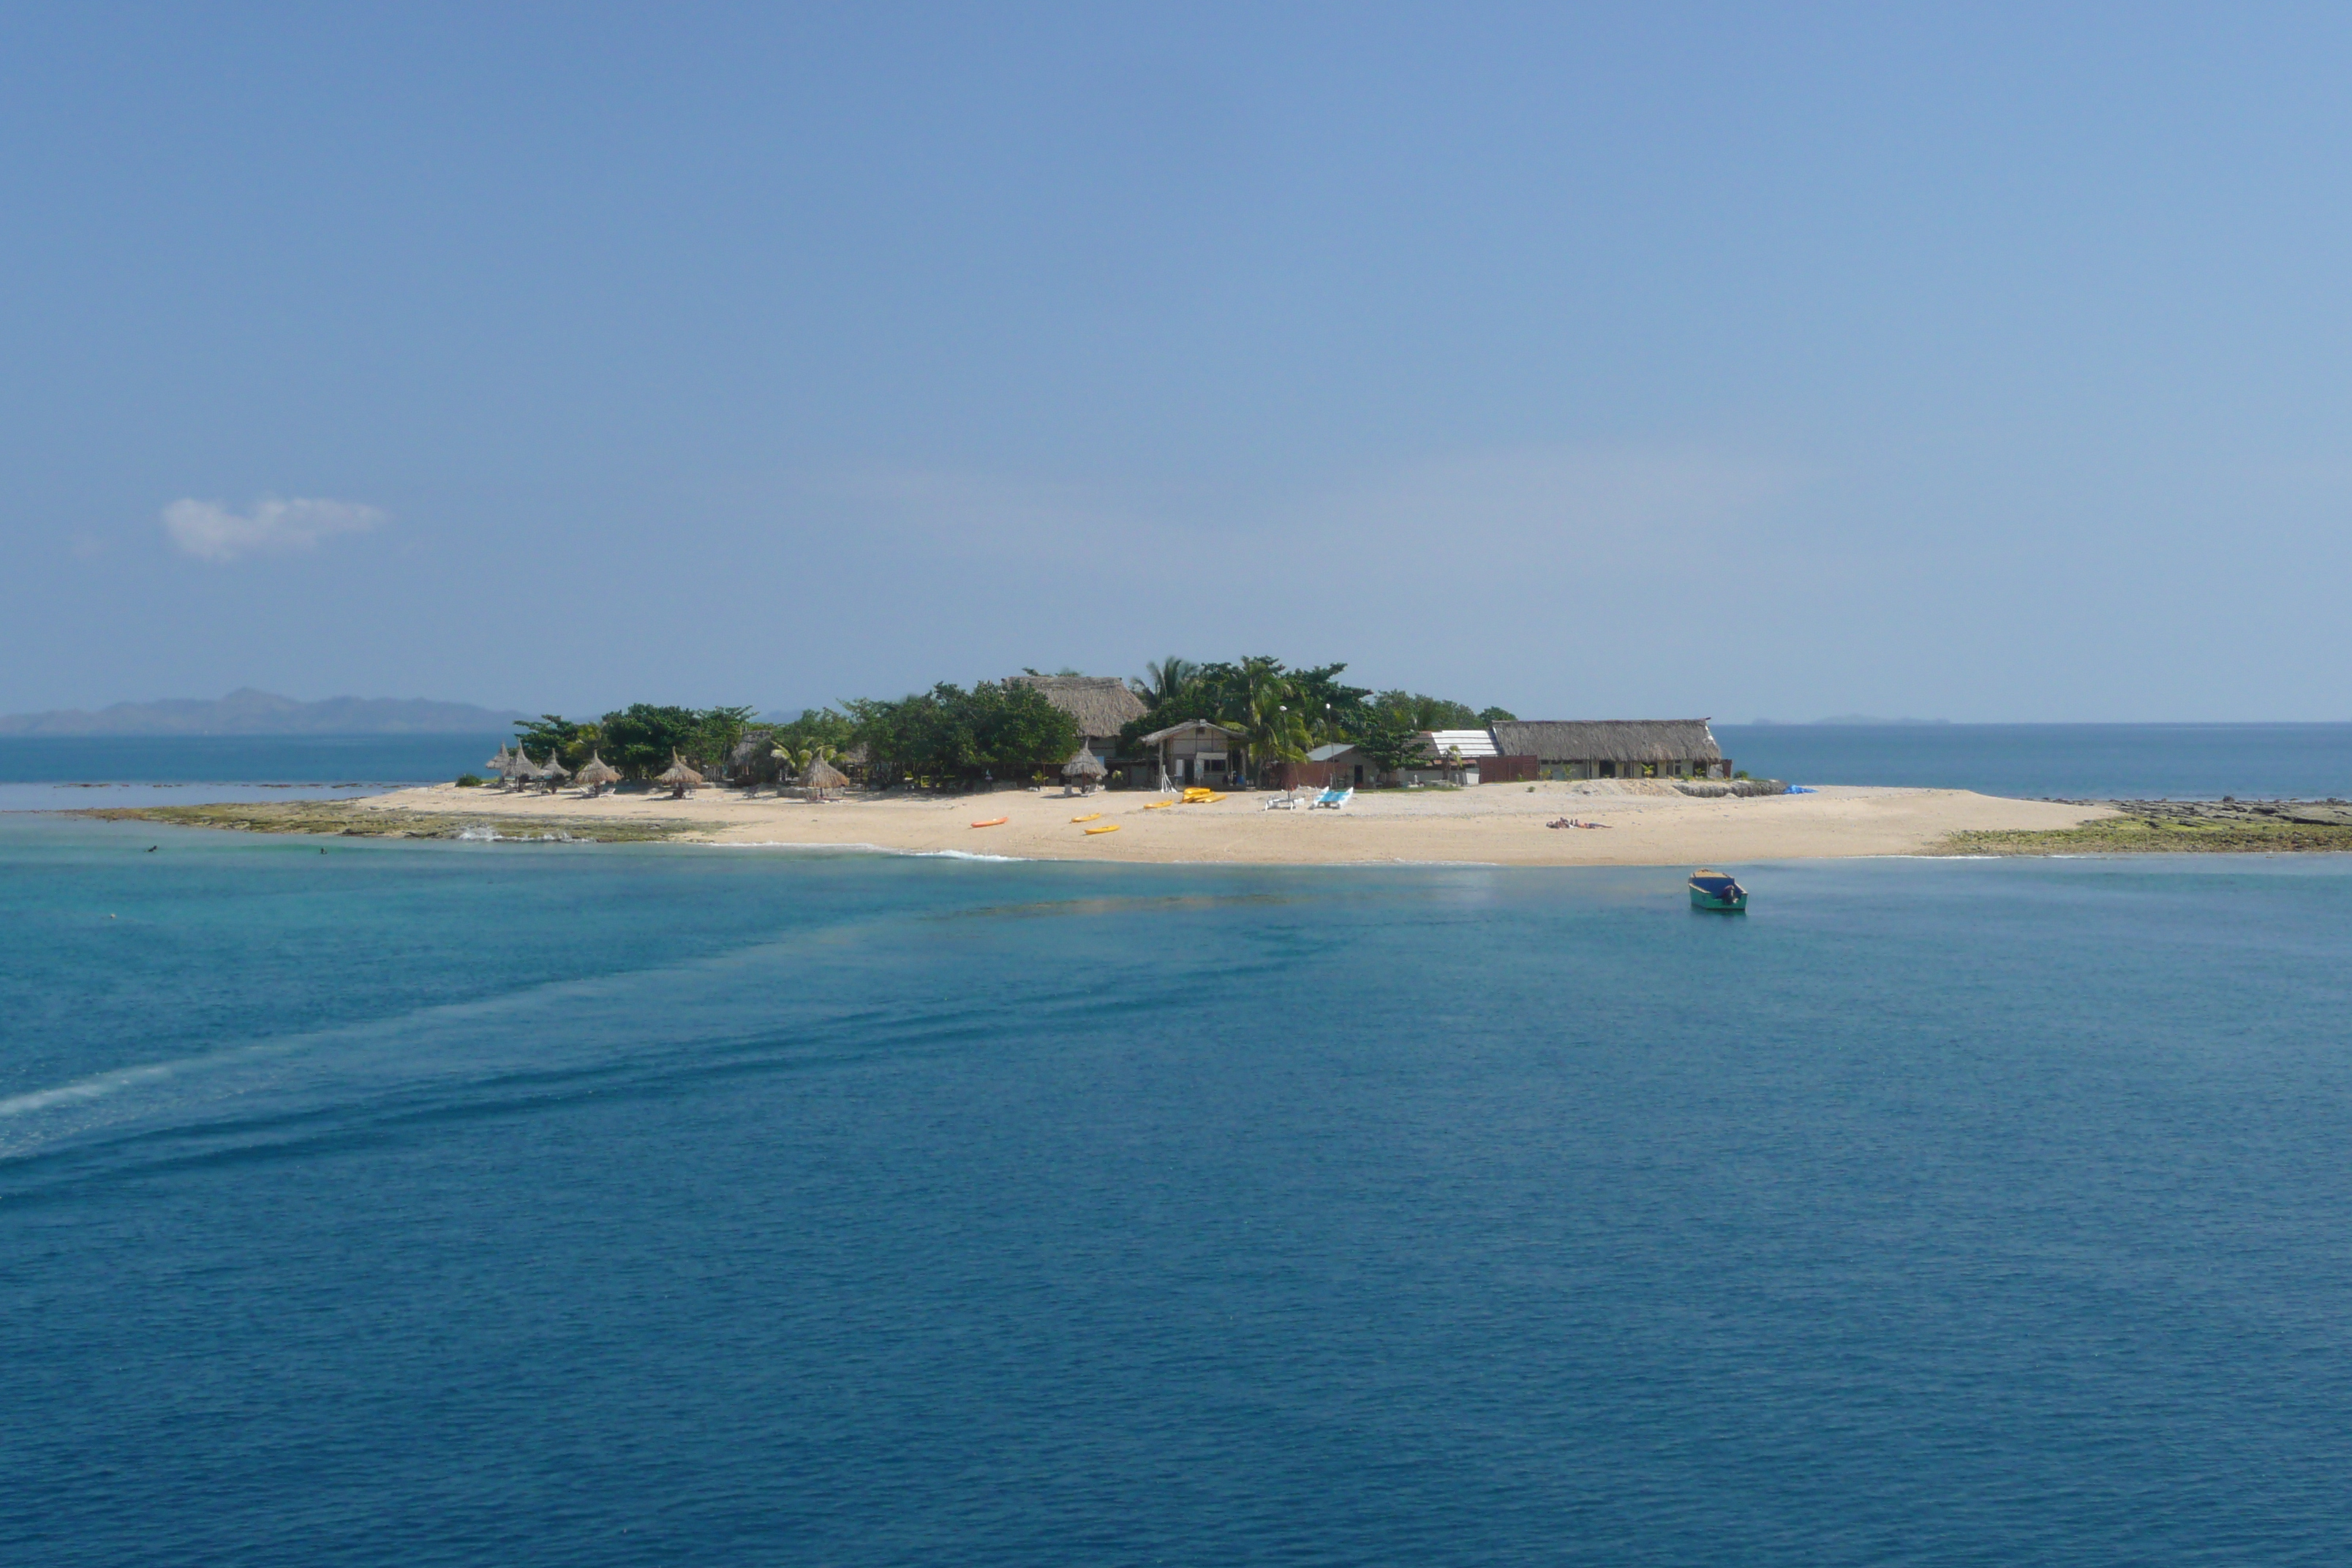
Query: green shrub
{"type": "Point", "coordinates": [467, 781]}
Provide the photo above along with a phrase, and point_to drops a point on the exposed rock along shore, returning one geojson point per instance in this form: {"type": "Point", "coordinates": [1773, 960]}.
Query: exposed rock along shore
{"type": "Point", "coordinates": [2181, 827]}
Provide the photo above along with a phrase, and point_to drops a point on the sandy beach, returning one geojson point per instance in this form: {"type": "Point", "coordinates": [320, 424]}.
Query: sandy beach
{"type": "Point", "coordinates": [1642, 824]}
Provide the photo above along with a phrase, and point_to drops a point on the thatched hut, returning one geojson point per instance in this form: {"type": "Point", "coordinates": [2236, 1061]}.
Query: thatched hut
{"type": "Point", "coordinates": [1100, 706]}
{"type": "Point", "coordinates": [679, 777]}
{"type": "Point", "coordinates": [552, 773]}
{"type": "Point", "coordinates": [820, 777]}
{"type": "Point", "coordinates": [752, 760]}
{"type": "Point", "coordinates": [1084, 770]}
{"type": "Point", "coordinates": [598, 774]}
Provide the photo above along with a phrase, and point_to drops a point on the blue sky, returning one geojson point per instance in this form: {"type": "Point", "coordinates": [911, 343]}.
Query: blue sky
{"type": "Point", "coordinates": [1988, 363]}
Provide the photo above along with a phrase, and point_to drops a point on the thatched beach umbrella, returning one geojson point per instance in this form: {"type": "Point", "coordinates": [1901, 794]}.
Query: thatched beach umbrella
{"type": "Point", "coordinates": [679, 777]}
{"type": "Point", "coordinates": [1084, 768]}
{"type": "Point", "coordinates": [821, 775]}
{"type": "Point", "coordinates": [599, 774]}
{"type": "Point", "coordinates": [553, 772]}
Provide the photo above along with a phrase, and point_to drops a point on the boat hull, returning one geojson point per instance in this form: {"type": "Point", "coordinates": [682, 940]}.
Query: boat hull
{"type": "Point", "coordinates": [1703, 899]}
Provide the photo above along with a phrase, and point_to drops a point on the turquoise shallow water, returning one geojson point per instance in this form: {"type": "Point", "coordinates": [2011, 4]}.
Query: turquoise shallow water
{"type": "Point", "coordinates": [429, 1204]}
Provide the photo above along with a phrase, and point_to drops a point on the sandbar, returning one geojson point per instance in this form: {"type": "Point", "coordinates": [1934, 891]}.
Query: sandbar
{"type": "Point", "coordinates": [1642, 822]}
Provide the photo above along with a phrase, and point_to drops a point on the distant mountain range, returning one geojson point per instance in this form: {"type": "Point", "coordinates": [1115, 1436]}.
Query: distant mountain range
{"type": "Point", "coordinates": [251, 713]}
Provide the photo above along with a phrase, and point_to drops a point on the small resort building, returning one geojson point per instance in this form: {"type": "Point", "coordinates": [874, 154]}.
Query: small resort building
{"type": "Point", "coordinates": [1194, 753]}
{"type": "Point", "coordinates": [1451, 756]}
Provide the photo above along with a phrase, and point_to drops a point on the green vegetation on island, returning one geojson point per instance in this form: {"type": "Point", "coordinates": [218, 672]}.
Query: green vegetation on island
{"type": "Point", "coordinates": [1006, 729]}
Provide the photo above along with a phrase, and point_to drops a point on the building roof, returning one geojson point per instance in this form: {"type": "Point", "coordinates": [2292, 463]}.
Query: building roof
{"type": "Point", "coordinates": [1156, 736]}
{"type": "Point", "coordinates": [1326, 753]}
{"type": "Point", "coordinates": [1469, 743]}
{"type": "Point", "coordinates": [1609, 739]}
{"type": "Point", "coordinates": [1100, 705]}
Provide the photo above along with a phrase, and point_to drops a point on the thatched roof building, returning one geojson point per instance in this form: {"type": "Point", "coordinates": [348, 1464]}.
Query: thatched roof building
{"type": "Point", "coordinates": [678, 777]}
{"type": "Point", "coordinates": [753, 758]}
{"type": "Point", "coordinates": [821, 775]}
{"type": "Point", "coordinates": [1615, 748]}
{"type": "Point", "coordinates": [1099, 705]}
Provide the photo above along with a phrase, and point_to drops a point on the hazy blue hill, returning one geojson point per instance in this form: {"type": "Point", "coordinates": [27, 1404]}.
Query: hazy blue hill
{"type": "Point", "coordinates": [251, 713]}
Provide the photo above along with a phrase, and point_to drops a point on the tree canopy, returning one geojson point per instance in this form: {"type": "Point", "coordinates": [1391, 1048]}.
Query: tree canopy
{"type": "Point", "coordinates": [1280, 712]}
{"type": "Point", "coordinates": [1003, 728]}
{"type": "Point", "coordinates": [638, 739]}
{"type": "Point", "coordinates": [1011, 729]}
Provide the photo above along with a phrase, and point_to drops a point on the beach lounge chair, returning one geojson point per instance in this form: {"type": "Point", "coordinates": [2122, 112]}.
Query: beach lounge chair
{"type": "Point", "coordinates": [1332, 799]}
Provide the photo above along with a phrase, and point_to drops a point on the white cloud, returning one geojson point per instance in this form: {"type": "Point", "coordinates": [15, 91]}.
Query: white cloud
{"type": "Point", "coordinates": [211, 531]}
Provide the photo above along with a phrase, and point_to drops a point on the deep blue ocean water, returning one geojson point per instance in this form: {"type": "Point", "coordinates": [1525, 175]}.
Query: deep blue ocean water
{"type": "Point", "coordinates": [2069, 762]}
{"type": "Point", "coordinates": [437, 1203]}
{"type": "Point", "coordinates": [242, 759]}
{"type": "Point", "coordinates": [135, 770]}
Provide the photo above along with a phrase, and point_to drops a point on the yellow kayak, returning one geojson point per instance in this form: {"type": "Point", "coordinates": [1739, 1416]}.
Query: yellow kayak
{"type": "Point", "coordinates": [1158, 804]}
{"type": "Point", "coordinates": [1105, 827]}
{"type": "Point", "coordinates": [1087, 818]}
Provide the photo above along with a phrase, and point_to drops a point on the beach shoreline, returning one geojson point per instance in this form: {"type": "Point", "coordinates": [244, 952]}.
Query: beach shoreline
{"type": "Point", "coordinates": [1635, 823]}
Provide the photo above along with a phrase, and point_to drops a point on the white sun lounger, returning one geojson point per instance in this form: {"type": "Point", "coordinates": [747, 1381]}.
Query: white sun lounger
{"type": "Point", "coordinates": [1332, 799]}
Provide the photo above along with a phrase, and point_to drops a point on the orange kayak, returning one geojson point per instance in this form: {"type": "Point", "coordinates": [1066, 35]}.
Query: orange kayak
{"type": "Point", "coordinates": [993, 822]}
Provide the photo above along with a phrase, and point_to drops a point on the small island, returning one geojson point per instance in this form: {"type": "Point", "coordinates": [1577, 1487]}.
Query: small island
{"type": "Point", "coordinates": [1246, 762]}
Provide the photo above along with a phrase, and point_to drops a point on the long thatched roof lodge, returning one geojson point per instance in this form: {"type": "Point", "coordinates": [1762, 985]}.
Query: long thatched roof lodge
{"type": "Point", "coordinates": [1614, 748]}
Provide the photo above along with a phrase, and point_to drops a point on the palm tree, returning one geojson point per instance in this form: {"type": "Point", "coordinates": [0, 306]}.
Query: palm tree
{"type": "Point", "coordinates": [1267, 713]}
{"type": "Point", "coordinates": [1162, 682]}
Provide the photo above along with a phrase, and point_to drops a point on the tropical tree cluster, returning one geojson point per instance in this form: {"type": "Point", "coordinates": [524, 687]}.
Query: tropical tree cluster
{"type": "Point", "coordinates": [1007, 730]}
{"type": "Point", "coordinates": [1282, 713]}
{"type": "Point", "coordinates": [638, 739]}
{"type": "Point", "coordinates": [948, 735]}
